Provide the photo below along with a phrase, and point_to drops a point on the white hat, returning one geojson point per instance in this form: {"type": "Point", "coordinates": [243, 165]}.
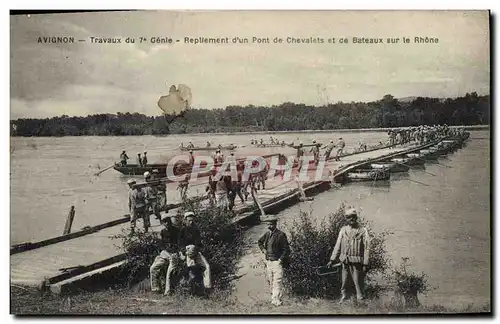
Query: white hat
{"type": "Point", "coordinates": [271, 219]}
{"type": "Point", "coordinates": [131, 181]}
{"type": "Point", "coordinates": [147, 174]}
{"type": "Point", "coordinates": [188, 214]}
{"type": "Point", "coordinates": [351, 212]}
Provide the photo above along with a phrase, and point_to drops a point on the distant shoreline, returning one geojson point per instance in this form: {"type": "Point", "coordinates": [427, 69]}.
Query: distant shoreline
{"type": "Point", "coordinates": [351, 130]}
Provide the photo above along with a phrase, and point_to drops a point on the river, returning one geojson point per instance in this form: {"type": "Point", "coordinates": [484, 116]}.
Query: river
{"type": "Point", "coordinates": [443, 227]}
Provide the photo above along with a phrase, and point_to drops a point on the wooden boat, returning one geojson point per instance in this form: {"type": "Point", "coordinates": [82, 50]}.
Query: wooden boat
{"type": "Point", "coordinates": [429, 154]}
{"type": "Point", "coordinates": [134, 169]}
{"type": "Point", "coordinates": [415, 160]}
{"type": "Point", "coordinates": [271, 145]}
{"type": "Point", "coordinates": [390, 166]}
{"type": "Point", "coordinates": [368, 175]}
{"type": "Point", "coordinates": [211, 148]}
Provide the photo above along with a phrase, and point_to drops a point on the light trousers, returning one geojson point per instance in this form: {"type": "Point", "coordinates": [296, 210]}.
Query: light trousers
{"type": "Point", "coordinates": [274, 272]}
{"type": "Point", "coordinates": [355, 271]}
{"type": "Point", "coordinates": [160, 262]}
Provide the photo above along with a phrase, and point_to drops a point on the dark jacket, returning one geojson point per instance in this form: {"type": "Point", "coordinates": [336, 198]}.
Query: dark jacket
{"type": "Point", "coordinates": [274, 246]}
{"type": "Point", "coordinates": [170, 238]}
{"type": "Point", "coordinates": [190, 236]}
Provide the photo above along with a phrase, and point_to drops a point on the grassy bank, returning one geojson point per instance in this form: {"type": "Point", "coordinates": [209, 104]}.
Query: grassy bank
{"type": "Point", "coordinates": [27, 301]}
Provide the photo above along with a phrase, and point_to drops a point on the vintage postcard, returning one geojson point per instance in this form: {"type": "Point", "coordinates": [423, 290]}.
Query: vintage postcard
{"type": "Point", "coordinates": [250, 162]}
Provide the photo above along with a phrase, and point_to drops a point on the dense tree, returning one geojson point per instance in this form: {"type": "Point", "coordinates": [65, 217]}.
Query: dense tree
{"type": "Point", "coordinates": [470, 109]}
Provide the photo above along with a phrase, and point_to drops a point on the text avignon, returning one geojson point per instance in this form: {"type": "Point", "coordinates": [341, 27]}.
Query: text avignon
{"type": "Point", "coordinates": [56, 40]}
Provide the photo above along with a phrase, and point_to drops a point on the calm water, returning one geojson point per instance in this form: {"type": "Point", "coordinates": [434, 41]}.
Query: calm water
{"type": "Point", "coordinates": [443, 227]}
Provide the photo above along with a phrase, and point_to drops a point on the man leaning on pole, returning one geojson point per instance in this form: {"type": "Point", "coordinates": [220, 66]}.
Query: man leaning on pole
{"type": "Point", "coordinates": [353, 250]}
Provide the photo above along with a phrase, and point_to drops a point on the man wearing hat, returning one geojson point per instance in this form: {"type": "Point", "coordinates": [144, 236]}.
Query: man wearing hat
{"type": "Point", "coordinates": [218, 157]}
{"type": "Point", "coordinates": [139, 159]}
{"type": "Point", "coordinates": [189, 233]}
{"type": "Point", "coordinates": [353, 250]}
{"type": "Point", "coordinates": [151, 196]}
{"type": "Point", "coordinates": [137, 205]}
{"type": "Point", "coordinates": [123, 158]}
{"type": "Point", "coordinates": [315, 152]}
{"type": "Point", "coordinates": [169, 255]}
{"type": "Point", "coordinates": [144, 159]}
{"type": "Point", "coordinates": [340, 148]}
{"type": "Point", "coordinates": [274, 245]}
{"type": "Point", "coordinates": [329, 149]}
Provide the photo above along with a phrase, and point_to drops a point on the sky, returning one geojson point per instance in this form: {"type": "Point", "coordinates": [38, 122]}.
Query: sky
{"type": "Point", "coordinates": [88, 78]}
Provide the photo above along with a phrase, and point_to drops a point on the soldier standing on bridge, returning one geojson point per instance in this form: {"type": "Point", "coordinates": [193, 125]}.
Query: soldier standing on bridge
{"type": "Point", "coordinates": [315, 152]}
{"type": "Point", "coordinates": [151, 197]}
{"type": "Point", "coordinates": [139, 159]}
{"type": "Point", "coordinates": [144, 159]}
{"type": "Point", "coordinates": [340, 148]}
{"type": "Point", "coordinates": [137, 205]}
{"type": "Point", "coordinates": [329, 149]}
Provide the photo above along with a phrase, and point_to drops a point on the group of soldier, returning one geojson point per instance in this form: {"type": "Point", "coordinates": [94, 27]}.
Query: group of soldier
{"type": "Point", "coordinates": [141, 161]}
{"type": "Point", "coordinates": [146, 200]}
{"type": "Point", "coordinates": [351, 252]}
{"type": "Point", "coordinates": [180, 256]}
{"type": "Point", "coordinates": [421, 134]}
{"type": "Point", "coordinates": [272, 141]}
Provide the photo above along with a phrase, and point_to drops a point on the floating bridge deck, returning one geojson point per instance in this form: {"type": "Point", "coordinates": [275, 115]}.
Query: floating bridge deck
{"type": "Point", "coordinates": [85, 253]}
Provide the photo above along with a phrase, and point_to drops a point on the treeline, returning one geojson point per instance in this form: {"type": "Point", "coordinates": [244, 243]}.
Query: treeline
{"type": "Point", "coordinates": [470, 109]}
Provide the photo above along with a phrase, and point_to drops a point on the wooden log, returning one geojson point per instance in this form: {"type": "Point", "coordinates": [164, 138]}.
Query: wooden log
{"type": "Point", "coordinates": [69, 221]}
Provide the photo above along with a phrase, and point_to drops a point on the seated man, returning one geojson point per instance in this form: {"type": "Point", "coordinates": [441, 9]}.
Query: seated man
{"type": "Point", "coordinates": [198, 270]}
{"type": "Point", "coordinates": [169, 255]}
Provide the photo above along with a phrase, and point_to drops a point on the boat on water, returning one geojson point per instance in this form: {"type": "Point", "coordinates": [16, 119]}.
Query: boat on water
{"type": "Point", "coordinates": [415, 160]}
{"type": "Point", "coordinates": [211, 148]}
{"type": "Point", "coordinates": [368, 175]}
{"type": "Point", "coordinates": [271, 145]}
{"type": "Point", "coordinates": [390, 166]}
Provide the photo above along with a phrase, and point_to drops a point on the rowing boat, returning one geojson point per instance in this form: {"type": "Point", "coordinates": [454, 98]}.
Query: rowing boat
{"type": "Point", "coordinates": [368, 175]}
{"type": "Point", "coordinates": [390, 166]}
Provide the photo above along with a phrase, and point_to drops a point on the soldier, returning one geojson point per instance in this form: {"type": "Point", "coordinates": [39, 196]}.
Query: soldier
{"type": "Point", "coordinates": [151, 197]}
{"type": "Point", "coordinates": [144, 159]}
{"type": "Point", "coordinates": [161, 192]}
{"type": "Point", "coordinates": [139, 160]}
{"type": "Point", "coordinates": [218, 157]}
{"type": "Point", "coordinates": [340, 148]}
{"type": "Point", "coordinates": [315, 152]}
{"type": "Point", "coordinates": [353, 250]}
{"type": "Point", "coordinates": [137, 205]}
{"type": "Point", "coordinates": [123, 158]}
{"type": "Point", "coordinates": [191, 158]}
{"type": "Point", "coordinates": [329, 149]}
{"type": "Point", "coordinates": [168, 256]}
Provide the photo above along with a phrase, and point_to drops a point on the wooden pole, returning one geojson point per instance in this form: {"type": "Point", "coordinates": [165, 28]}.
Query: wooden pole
{"type": "Point", "coordinates": [257, 202]}
{"type": "Point", "coordinates": [303, 196]}
{"type": "Point", "coordinates": [69, 221]}
{"type": "Point", "coordinates": [98, 173]}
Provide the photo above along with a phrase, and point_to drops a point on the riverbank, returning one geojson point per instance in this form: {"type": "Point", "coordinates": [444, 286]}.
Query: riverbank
{"type": "Point", "coordinates": [27, 301]}
{"type": "Point", "coordinates": [314, 131]}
